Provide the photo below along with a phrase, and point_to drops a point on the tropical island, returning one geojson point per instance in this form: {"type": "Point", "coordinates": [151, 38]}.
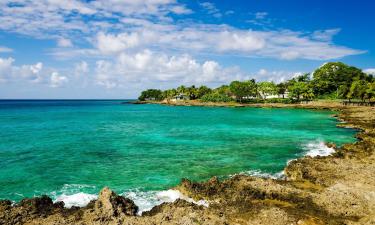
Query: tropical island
{"type": "Point", "coordinates": [332, 81]}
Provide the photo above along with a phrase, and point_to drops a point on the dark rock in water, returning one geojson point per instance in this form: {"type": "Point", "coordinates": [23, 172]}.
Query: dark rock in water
{"type": "Point", "coordinates": [110, 204]}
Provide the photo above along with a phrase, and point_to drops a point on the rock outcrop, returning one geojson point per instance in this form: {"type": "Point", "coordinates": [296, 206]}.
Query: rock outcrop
{"type": "Point", "coordinates": [109, 204]}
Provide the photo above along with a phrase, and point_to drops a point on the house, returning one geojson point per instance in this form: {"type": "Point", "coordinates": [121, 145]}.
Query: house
{"type": "Point", "coordinates": [274, 96]}
{"type": "Point", "coordinates": [180, 97]}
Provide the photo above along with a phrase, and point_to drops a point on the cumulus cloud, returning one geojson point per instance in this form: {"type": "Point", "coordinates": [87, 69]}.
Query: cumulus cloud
{"type": "Point", "coordinates": [29, 72]}
{"type": "Point", "coordinates": [56, 80]}
{"type": "Point", "coordinates": [275, 75]}
{"type": "Point", "coordinates": [147, 67]}
{"type": "Point", "coordinates": [35, 73]}
{"type": "Point", "coordinates": [283, 44]}
{"type": "Point", "coordinates": [108, 43]}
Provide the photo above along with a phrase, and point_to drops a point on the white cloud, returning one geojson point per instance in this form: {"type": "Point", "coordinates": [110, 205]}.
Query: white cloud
{"type": "Point", "coordinates": [54, 18]}
{"type": "Point", "coordinates": [276, 76]}
{"type": "Point", "coordinates": [64, 42]}
{"type": "Point", "coordinates": [240, 41]}
{"type": "Point", "coordinates": [81, 68]}
{"type": "Point", "coordinates": [325, 35]}
{"type": "Point", "coordinates": [29, 72]}
{"type": "Point", "coordinates": [150, 67]}
{"type": "Point", "coordinates": [32, 74]}
{"type": "Point", "coordinates": [147, 67]}
{"type": "Point", "coordinates": [369, 71]}
{"type": "Point", "coordinates": [5, 68]}
{"type": "Point", "coordinates": [261, 19]}
{"type": "Point", "coordinates": [108, 43]}
{"type": "Point", "coordinates": [105, 75]}
{"type": "Point", "coordinates": [5, 49]}
{"type": "Point", "coordinates": [134, 25]}
{"type": "Point", "coordinates": [283, 44]}
{"type": "Point", "coordinates": [211, 9]}
{"type": "Point", "coordinates": [56, 80]}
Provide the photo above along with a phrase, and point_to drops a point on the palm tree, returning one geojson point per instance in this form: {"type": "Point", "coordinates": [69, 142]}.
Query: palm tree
{"type": "Point", "coordinates": [181, 89]}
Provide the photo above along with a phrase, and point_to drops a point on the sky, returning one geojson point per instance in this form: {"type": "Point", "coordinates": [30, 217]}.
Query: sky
{"type": "Point", "coordinates": [114, 49]}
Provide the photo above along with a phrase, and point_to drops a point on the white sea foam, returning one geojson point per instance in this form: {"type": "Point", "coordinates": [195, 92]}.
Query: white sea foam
{"type": "Point", "coordinates": [72, 195]}
{"type": "Point", "coordinates": [75, 195]}
{"type": "Point", "coordinates": [79, 199]}
{"type": "Point", "coordinates": [258, 173]}
{"type": "Point", "coordinates": [146, 200]}
{"type": "Point", "coordinates": [317, 148]}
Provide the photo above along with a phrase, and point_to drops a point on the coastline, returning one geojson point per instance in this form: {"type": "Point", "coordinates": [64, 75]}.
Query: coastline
{"type": "Point", "coordinates": [332, 189]}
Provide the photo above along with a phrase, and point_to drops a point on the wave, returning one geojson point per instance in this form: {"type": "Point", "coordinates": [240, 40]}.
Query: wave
{"type": "Point", "coordinates": [313, 149]}
{"type": "Point", "coordinates": [79, 199]}
{"type": "Point", "coordinates": [145, 200]}
{"type": "Point", "coordinates": [259, 173]}
{"type": "Point", "coordinates": [75, 195]}
{"type": "Point", "coordinates": [72, 195]}
{"type": "Point", "coordinates": [317, 148]}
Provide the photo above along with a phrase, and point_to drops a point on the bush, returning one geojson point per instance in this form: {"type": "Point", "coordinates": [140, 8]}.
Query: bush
{"type": "Point", "coordinates": [328, 96]}
{"type": "Point", "coordinates": [216, 97]}
{"type": "Point", "coordinates": [151, 94]}
{"type": "Point", "coordinates": [271, 100]}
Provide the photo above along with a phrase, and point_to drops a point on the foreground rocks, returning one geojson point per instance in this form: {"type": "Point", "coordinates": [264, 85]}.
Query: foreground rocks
{"type": "Point", "coordinates": [337, 189]}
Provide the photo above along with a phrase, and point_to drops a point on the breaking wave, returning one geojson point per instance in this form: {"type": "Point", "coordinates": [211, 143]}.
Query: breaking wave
{"type": "Point", "coordinates": [145, 200]}
{"type": "Point", "coordinates": [316, 148]}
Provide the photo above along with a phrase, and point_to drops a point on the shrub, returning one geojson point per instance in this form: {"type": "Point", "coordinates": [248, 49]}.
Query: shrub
{"type": "Point", "coordinates": [216, 97]}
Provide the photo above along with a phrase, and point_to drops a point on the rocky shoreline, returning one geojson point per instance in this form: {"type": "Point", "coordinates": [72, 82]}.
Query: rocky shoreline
{"type": "Point", "coordinates": [336, 189]}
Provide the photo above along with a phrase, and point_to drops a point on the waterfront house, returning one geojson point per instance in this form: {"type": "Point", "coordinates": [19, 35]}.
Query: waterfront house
{"type": "Point", "coordinates": [180, 97]}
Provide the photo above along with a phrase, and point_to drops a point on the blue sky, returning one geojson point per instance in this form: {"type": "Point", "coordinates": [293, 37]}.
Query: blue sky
{"type": "Point", "coordinates": [115, 49]}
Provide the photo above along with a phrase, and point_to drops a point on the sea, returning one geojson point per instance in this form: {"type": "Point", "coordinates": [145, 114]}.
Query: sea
{"type": "Point", "coordinates": [70, 149]}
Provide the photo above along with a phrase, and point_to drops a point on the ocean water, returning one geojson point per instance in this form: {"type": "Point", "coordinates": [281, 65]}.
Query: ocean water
{"type": "Point", "coordinates": [69, 150]}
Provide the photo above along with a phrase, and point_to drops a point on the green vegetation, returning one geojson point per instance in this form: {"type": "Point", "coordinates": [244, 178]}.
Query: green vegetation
{"type": "Point", "coordinates": [334, 80]}
{"type": "Point", "coordinates": [216, 97]}
{"type": "Point", "coordinates": [243, 89]}
{"type": "Point", "coordinates": [151, 94]}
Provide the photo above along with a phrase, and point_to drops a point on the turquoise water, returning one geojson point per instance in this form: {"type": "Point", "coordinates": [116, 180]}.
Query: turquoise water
{"type": "Point", "coordinates": [68, 147]}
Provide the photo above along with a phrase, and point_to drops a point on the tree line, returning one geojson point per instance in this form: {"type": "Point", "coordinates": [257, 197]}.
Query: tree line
{"type": "Point", "coordinates": [334, 80]}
